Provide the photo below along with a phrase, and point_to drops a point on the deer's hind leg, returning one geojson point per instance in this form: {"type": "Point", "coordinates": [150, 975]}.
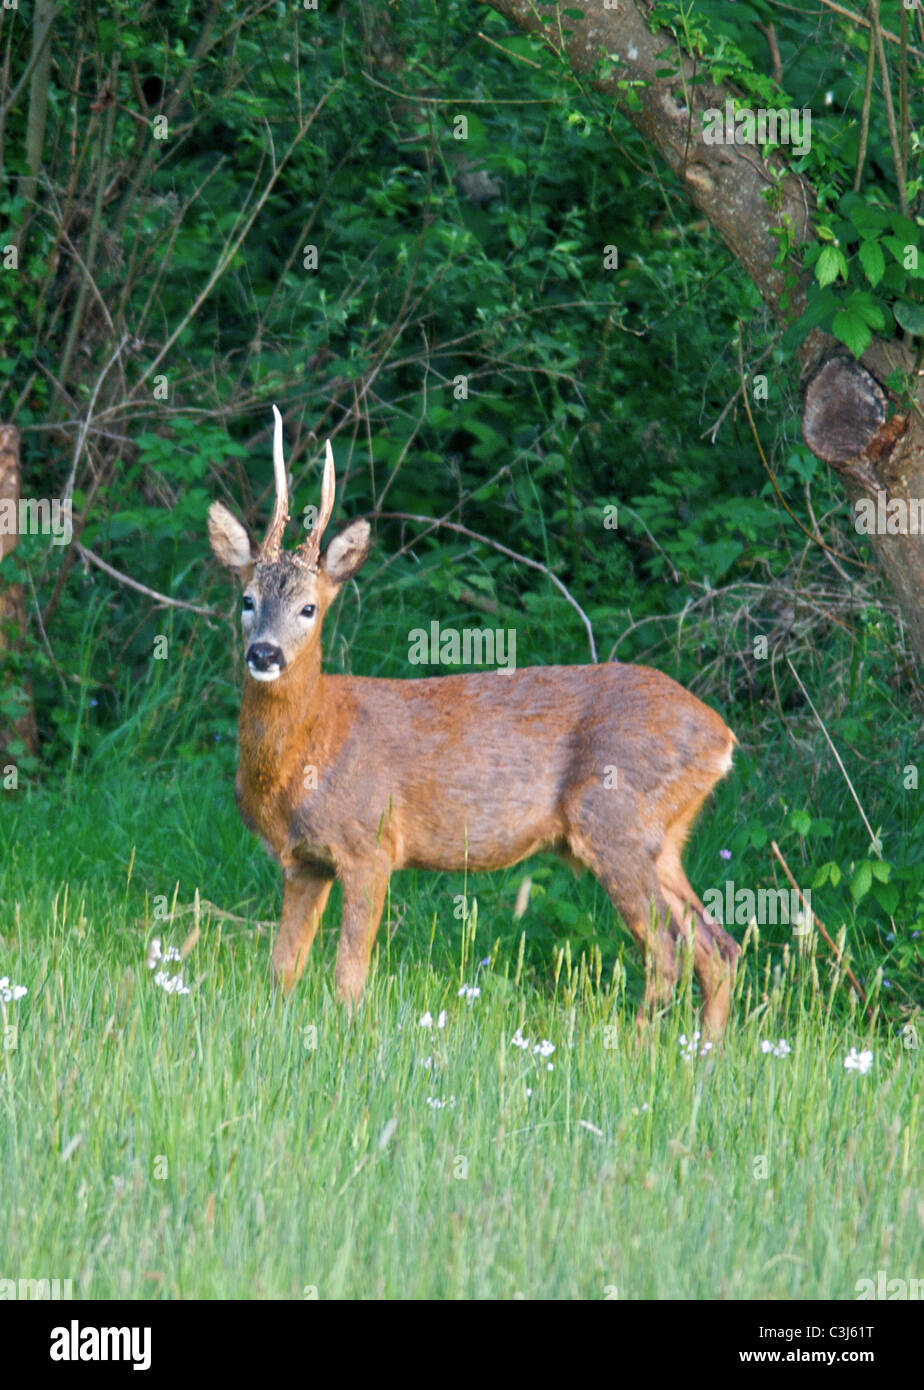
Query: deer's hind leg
{"type": "Point", "coordinates": [627, 872]}
{"type": "Point", "coordinates": [714, 951]}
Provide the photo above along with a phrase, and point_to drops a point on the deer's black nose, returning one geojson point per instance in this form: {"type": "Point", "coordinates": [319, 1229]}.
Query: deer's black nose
{"type": "Point", "coordinates": [265, 656]}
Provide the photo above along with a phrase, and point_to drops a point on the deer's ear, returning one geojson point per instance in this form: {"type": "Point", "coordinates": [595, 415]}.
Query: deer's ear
{"type": "Point", "coordinates": [347, 553]}
{"type": "Point", "coordinates": [230, 542]}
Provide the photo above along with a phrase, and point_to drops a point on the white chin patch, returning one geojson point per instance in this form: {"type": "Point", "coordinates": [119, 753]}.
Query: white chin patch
{"type": "Point", "coordinates": [272, 675]}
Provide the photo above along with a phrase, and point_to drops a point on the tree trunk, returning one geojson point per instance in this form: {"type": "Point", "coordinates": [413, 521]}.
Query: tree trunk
{"type": "Point", "coordinates": [880, 460]}
{"type": "Point", "coordinates": [17, 726]}
{"type": "Point", "coordinates": [846, 407]}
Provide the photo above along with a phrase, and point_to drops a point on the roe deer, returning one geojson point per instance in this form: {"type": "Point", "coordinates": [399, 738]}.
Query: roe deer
{"type": "Point", "coordinates": [351, 778]}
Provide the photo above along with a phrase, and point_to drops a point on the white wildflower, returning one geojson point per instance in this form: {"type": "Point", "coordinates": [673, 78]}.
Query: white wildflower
{"type": "Point", "coordinates": [691, 1046]}
{"type": "Point", "coordinates": [171, 984]}
{"type": "Point", "coordinates": [426, 1020]}
{"type": "Point", "coordinates": [858, 1061]}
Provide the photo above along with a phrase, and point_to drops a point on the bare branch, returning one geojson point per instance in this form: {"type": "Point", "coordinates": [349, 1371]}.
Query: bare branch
{"type": "Point", "coordinates": [143, 588]}
{"type": "Point", "coordinates": [85, 424]}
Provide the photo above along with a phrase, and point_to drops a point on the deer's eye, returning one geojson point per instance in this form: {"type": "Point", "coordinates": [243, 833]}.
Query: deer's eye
{"type": "Point", "coordinates": [309, 610]}
{"type": "Point", "coordinates": [247, 604]}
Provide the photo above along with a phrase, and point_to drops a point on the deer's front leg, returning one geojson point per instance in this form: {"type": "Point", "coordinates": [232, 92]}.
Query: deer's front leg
{"type": "Point", "coordinates": [363, 899]}
{"type": "Point", "coordinates": [304, 897]}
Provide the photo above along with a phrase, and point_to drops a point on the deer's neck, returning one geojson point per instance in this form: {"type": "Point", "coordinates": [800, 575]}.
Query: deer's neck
{"type": "Point", "coordinates": [278, 724]}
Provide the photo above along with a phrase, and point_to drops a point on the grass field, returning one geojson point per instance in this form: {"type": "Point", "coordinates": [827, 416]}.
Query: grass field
{"type": "Point", "coordinates": [228, 1143]}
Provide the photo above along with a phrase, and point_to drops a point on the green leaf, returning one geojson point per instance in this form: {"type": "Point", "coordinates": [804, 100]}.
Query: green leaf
{"type": "Point", "coordinates": [850, 328]}
{"type": "Point", "coordinates": [869, 221]}
{"type": "Point", "coordinates": [154, 444]}
{"type": "Point", "coordinates": [820, 305]}
{"type": "Point", "coordinates": [906, 254]}
{"type": "Point", "coordinates": [800, 821]}
{"type": "Point", "coordinates": [865, 305]}
{"type": "Point", "coordinates": [718, 557]}
{"type": "Point", "coordinates": [872, 260]}
{"type": "Point", "coordinates": [862, 880]}
{"type": "Point", "coordinates": [887, 896]}
{"type": "Point", "coordinates": [829, 265]}
{"type": "Point", "coordinates": [910, 317]}
{"type": "Point", "coordinates": [905, 228]}
{"type": "Point", "coordinates": [894, 282]}
{"type": "Point", "coordinates": [803, 464]}
{"type": "Point", "coordinates": [758, 836]}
